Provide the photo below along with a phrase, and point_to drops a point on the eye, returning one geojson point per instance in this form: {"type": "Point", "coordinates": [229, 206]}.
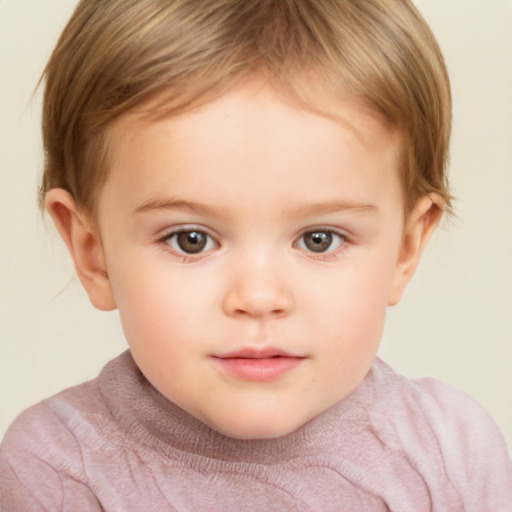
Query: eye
{"type": "Point", "coordinates": [321, 240]}
{"type": "Point", "coordinates": [191, 241]}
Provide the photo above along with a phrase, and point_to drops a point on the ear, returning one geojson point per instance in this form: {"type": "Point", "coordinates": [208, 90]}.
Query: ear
{"type": "Point", "coordinates": [84, 246]}
{"type": "Point", "coordinates": [422, 221]}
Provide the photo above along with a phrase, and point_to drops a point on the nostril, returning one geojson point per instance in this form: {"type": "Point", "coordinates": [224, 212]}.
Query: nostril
{"type": "Point", "coordinates": [259, 308]}
{"type": "Point", "coordinates": [258, 312]}
{"type": "Point", "coordinates": [250, 297]}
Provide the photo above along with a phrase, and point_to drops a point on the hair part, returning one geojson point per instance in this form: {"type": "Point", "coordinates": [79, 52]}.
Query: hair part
{"type": "Point", "coordinates": [170, 55]}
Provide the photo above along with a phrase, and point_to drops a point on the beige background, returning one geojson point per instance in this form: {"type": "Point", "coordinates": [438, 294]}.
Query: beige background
{"type": "Point", "coordinates": [455, 322]}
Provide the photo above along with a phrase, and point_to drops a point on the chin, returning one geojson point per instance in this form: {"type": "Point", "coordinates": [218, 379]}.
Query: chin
{"type": "Point", "coordinates": [256, 433]}
{"type": "Point", "coordinates": [255, 429]}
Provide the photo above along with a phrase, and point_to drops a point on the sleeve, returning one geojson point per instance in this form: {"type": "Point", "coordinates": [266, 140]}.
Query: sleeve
{"type": "Point", "coordinates": [475, 453]}
{"type": "Point", "coordinates": [41, 468]}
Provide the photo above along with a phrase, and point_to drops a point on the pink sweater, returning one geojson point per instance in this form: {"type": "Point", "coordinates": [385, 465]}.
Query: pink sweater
{"type": "Point", "coordinates": [115, 444]}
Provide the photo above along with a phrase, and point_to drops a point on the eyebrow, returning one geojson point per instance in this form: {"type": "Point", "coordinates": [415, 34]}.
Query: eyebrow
{"type": "Point", "coordinates": [322, 208]}
{"type": "Point", "coordinates": [335, 206]}
{"type": "Point", "coordinates": [171, 204]}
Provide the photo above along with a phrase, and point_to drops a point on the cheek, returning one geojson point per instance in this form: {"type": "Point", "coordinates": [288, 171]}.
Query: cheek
{"type": "Point", "coordinates": [357, 325]}
{"type": "Point", "coordinates": [353, 325]}
{"type": "Point", "coordinates": [353, 309]}
{"type": "Point", "coordinates": [161, 328]}
{"type": "Point", "coordinates": [359, 290]}
{"type": "Point", "coordinates": [147, 298]}
{"type": "Point", "coordinates": [164, 308]}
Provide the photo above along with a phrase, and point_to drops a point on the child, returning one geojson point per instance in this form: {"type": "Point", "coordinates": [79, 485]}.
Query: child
{"type": "Point", "coordinates": [250, 183]}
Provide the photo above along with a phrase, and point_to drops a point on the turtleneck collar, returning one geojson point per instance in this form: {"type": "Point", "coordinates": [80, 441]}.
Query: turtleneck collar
{"type": "Point", "coordinates": [146, 414]}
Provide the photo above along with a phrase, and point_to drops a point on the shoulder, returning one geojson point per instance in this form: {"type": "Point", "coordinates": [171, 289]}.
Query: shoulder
{"type": "Point", "coordinates": [48, 443]}
{"type": "Point", "coordinates": [63, 423]}
{"type": "Point", "coordinates": [456, 419]}
{"type": "Point", "coordinates": [45, 432]}
{"type": "Point", "coordinates": [445, 408]}
{"type": "Point", "coordinates": [447, 426]}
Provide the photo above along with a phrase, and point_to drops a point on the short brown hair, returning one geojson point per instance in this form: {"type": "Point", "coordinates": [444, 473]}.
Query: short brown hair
{"type": "Point", "coordinates": [116, 55]}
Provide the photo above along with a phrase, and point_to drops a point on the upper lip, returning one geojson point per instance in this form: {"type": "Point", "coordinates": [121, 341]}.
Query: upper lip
{"type": "Point", "coordinates": [253, 353]}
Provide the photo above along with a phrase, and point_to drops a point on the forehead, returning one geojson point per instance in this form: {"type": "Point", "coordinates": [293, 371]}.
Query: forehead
{"type": "Point", "coordinates": [248, 135]}
{"type": "Point", "coordinates": [254, 100]}
{"type": "Point", "coordinates": [306, 93]}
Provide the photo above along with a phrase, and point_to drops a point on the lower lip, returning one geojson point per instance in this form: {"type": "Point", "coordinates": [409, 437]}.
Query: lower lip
{"type": "Point", "coordinates": [259, 370]}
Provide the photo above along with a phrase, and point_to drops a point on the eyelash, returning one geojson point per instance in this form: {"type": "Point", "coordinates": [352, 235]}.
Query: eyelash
{"type": "Point", "coordinates": [167, 240]}
{"type": "Point", "coordinates": [328, 254]}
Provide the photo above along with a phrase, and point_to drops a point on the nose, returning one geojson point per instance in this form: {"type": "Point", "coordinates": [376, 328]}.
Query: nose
{"type": "Point", "coordinates": [258, 287]}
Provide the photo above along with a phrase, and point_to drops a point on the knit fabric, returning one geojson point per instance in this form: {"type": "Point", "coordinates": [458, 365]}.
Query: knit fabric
{"type": "Point", "coordinates": [116, 444]}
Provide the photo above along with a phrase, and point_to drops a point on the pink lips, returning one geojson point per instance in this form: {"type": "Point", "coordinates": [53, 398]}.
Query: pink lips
{"type": "Point", "coordinates": [258, 365]}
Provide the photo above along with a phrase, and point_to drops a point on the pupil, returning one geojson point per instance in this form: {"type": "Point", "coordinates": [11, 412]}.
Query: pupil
{"type": "Point", "coordinates": [318, 241]}
{"type": "Point", "coordinates": [191, 241]}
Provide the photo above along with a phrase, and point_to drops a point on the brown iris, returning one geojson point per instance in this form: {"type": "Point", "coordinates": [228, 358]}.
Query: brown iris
{"type": "Point", "coordinates": [191, 241]}
{"type": "Point", "coordinates": [318, 241]}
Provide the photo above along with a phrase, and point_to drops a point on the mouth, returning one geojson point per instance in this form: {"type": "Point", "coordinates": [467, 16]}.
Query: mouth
{"type": "Point", "coordinates": [263, 365]}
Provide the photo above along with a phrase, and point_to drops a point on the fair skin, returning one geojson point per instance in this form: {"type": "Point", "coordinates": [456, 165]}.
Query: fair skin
{"type": "Point", "coordinates": [252, 247]}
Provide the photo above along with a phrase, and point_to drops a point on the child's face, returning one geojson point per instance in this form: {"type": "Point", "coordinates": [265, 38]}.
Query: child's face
{"type": "Point", "coordinates": [252, 248]}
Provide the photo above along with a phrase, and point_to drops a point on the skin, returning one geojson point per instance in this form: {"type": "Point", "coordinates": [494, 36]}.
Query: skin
{"type": "Point", "coordinates": [255, 174]}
